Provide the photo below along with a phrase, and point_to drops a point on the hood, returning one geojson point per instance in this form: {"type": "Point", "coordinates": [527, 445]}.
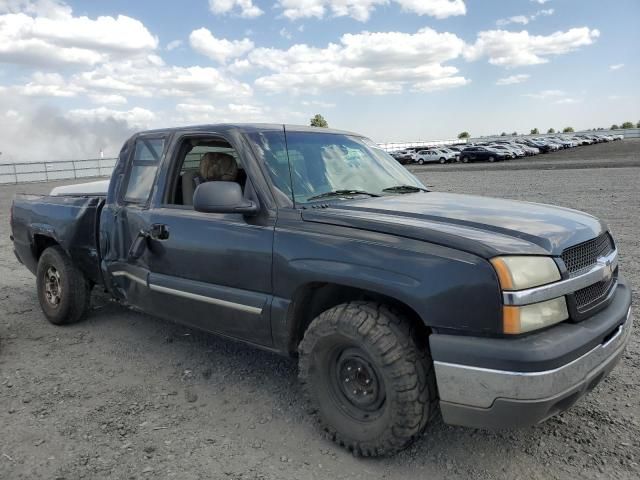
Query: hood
{"type": "Point", "coordinates": [481, 225]}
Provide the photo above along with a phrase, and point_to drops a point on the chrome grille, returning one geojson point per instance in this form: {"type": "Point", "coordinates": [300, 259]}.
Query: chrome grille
{"type": "Point", "coordinates": [590, 296]}
{"type": "Point", "coordinates": [585, 255]}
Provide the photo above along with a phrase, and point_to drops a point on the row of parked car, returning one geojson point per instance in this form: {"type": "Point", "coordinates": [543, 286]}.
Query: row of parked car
{"type": "Point", "coordinates": [498, 149]}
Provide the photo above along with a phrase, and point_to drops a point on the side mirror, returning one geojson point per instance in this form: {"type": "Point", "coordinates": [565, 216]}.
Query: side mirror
{"type": "Point", "coordinates": [222, 197]}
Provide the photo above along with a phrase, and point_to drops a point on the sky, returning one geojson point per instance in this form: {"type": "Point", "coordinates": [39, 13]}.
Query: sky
{"type": "Point", "coordinates": [79, 77]}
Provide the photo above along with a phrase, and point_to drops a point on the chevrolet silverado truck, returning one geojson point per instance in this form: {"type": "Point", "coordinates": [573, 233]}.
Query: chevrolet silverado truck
{"type": "Point", "coordinates": [397, 301]}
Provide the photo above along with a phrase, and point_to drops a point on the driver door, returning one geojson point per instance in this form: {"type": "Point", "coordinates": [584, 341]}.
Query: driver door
{"type": "Point", "coordinates": [209, 271]}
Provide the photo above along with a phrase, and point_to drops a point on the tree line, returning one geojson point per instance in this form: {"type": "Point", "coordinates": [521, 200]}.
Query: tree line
{"type": "Point", "coordinates": [535, 131]}
{"type": "Point", "coordinates": [319, 121]}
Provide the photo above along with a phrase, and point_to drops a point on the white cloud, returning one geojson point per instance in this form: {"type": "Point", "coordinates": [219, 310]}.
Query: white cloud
{"type": "Point", "coordinates": [541, 2]}
{"type": "Point", "coordinates": [514, 49]}
{"type": "Point", "coordinates": [524, 19]}
{"type": "Point", "coordinates": [617, 66]}
{"type": "Point", "coordinates": [218, 49]}
{"type": "Point", "coordinates": [144, 79]}
{"type": "Point", "coordinates": [543, 13]}
{"type": "Point", "coordinates": [513, 79]}
{"type": "Point", "coordinates": [244, 8]}
{"type": "Point", "coordinates": [48, 85]}
{"type": "Point", "coordinates": [521, 19]}
{"type": "Point", "coordinates": [567, 101]}
{"type": "Point", "coordinates": [112, 83]}
{"type": "Point", "coordinates": [174, 44]}
{"type": "Point", "coordinates": [361, 9]}
{"type": "Point", "coordinates": [239, 66]}
{"type": "Point", "coordinates": [108, 99]}
{"type": "Point", "coordinates": [317, 103]}
{"type": "Point", "coordinates": [544, 94]}
{"type": "Point", "coordinates": [136, 117]}
{"type": "Point", "coordinates": [378, 63]}
{"type": "Point", "coordinates": [194, 113]}
{"type": "Point", "coordinates": [284, 33]}
{"type": "Point", "coordinates": [47, 33]}
{"type": "Point", "coordinates": [440, 84]}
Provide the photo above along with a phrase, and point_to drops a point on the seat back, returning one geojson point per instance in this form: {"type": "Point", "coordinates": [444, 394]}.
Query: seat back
{"type": "Point", "coordinates": [188, 186]}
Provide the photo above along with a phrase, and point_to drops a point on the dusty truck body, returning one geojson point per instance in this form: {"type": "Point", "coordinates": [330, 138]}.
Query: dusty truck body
{"type": "Point", "coordinates": [316, 244]}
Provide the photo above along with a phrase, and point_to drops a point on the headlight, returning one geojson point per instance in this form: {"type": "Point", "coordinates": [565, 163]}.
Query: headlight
{"type": "Point", "coordinates": [519, 273]}
{"type": "Point", "coordinates": [532, 317]}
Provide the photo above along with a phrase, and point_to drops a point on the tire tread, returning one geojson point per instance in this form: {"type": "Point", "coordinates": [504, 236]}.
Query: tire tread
{"type": "Point", "coordinates": [405, 358]}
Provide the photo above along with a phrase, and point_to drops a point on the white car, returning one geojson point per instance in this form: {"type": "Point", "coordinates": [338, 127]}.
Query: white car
{"type": "Point", "coordinates": [434, 156]}
{"type": "Point", "coordinates": [455, 153]}
{"type": "Point", "coordinates": [521, 149]}
{"type": "Point", "coordinates": [505, 149]}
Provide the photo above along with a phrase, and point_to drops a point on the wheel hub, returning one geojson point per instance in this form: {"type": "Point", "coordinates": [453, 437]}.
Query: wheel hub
{"type": "Point", "coordinates": [52, 286]}
{"type": "Point", "coordinates": [358, 381]}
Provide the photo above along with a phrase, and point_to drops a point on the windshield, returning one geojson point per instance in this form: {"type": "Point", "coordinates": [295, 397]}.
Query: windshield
{"type": "Point", "coordinates": [321, 163]}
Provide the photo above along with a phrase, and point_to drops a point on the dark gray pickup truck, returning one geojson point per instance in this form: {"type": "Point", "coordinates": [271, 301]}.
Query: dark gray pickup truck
{"type": "Point", "coordinates": [315, 243]}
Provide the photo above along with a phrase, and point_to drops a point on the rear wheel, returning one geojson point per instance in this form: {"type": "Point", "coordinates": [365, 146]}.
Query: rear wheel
{"type": "Point", "coordinates": [63, 291]}
{"type": "Point", "coordinates": [420, 161]}
{"type": "Point", "coordinates": [465, 159]}
{"type": "Point", "coordinates": [368, 377]}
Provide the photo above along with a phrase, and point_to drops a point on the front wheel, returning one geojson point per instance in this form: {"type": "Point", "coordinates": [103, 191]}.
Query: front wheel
{"type": "Point", "coordinates": [492, 159]}
{"type": "Point", "coordinates": [443, 160]}
{"type": "Point", "coordinates": [63, 291]}
{"type": "Point", "coordinates": [367, 375]}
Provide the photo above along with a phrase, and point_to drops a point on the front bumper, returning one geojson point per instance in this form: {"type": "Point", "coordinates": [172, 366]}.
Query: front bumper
{"type": "Point", "coordinates": [482, 393]}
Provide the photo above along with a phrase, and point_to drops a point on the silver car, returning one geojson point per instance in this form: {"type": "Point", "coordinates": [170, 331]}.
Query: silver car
{"type": "Point", "coordinates": [434, 156]}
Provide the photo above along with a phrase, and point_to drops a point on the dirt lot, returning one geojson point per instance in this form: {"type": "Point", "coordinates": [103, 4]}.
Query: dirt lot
{"type": "Point", "coordinates": [123, 395]}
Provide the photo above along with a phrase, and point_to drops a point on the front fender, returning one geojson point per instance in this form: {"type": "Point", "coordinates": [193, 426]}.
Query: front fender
{"type": "Point", "coordinates": [449, 289]}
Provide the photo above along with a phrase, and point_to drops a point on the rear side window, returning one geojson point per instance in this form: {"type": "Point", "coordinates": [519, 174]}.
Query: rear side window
{"type": "Point", "coordinates": [143, 169]}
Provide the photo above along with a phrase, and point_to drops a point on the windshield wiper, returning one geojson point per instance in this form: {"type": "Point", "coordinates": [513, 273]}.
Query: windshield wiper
{"type": "Point", "coordinates": [342, 193]}
{"type": "Point", "coordinates": [404, 189]}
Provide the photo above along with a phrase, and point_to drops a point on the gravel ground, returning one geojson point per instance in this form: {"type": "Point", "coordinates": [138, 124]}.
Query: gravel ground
{"type": "Point", "coordinates": [124, 395]}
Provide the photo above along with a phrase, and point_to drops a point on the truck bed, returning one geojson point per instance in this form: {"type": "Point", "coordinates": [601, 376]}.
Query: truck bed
{"type": "Point", "coordinates": [39, 221]}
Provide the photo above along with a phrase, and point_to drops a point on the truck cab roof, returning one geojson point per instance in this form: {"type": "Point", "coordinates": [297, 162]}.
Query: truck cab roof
{"type": "Point", "coordinates": [245, 128]}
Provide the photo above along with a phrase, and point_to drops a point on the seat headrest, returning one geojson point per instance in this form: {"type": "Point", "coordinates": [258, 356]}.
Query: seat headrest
{"type": "Point", "coordinates": [217, 166]}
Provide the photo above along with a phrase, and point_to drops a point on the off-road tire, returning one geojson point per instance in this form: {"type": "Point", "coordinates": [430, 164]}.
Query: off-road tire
{"type": "Point", "coordinates": [75, 290]}
{"type": "Point", "coordinates": [399, 354]}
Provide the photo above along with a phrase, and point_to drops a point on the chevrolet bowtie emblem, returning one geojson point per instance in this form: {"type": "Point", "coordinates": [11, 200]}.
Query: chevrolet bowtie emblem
{"type": "Point", "coordinates": [608, 270]}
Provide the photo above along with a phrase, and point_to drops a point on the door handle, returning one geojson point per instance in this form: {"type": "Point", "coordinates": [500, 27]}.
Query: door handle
{"type": "Point", "coordinates": [138, 246]}
{"type": "Point", "coordinates": [159, 231]}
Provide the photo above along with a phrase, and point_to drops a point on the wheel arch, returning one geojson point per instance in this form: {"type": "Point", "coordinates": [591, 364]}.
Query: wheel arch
{"type": "Point", "coordinates": [313, 298]}
{"type": "Point", "coordinates": [40, 242]}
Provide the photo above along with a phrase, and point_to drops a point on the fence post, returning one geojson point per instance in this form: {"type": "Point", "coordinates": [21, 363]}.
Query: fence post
{"type": "Point", "coordinates": [15, 174]}
{"type": "Point", "coordinates": [73, 164]}
{"type": "Point", "coordinates": [46, 171]}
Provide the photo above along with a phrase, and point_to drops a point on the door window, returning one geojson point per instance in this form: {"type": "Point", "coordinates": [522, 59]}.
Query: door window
{"type": "Point", "coordinates": [146, 159]}
{"type": "Point", "coordinates": [200, 160]}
